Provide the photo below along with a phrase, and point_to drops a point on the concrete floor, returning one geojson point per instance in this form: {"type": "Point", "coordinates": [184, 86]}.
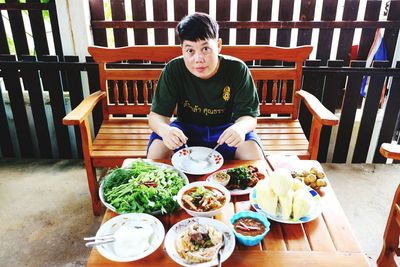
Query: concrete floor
{"type": "Point", "coordinates": [46, 209]}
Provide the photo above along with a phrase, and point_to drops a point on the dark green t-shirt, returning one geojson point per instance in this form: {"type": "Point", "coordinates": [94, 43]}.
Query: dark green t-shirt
{"type": "Point", "coordinates": [221, 99]}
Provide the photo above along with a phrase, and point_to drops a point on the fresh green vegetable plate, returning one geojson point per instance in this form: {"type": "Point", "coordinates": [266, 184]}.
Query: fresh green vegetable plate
{"type": "Point", "coordinates": [142, 187]}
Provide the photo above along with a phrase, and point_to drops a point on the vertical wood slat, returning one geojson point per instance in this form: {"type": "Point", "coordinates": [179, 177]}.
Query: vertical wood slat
{"type": "Point", "coordinates": [346, 35]}
{"type": "Point", "coordinates": [263, 92]}
{"type": "Point", "coordinates": [125, 90]}
{"type": "Point", "coordinates": [391, 35]}
{"type": "Point", "coordinates": [94, 86]}
{"type": "Point", "coordinates": [285, 14]}
{"type": "Point", "coordinates": [145, 93]}
{"type": "Point", "coordinates": [31, 80]}
{"type": "Point", "coordinates": [180, 10]}
{"type": "Point", "coordinates": [139, 14]}
{"type": "Point", "coordinates": [6, 146]}
{"type": "Point", "coordinates": [330, 99]}
{"type": "Point", "coordinates": [389, 118]}
{"type": "Point", "coordinates": [283, 91]}
{"type": "Point", "coordinates": [18, 30]}
{"type": "Point", "coordinates": [348, 114]}
{"type": "Point", "coordinates": [223, 14]}
{"type": "Point", "coordinates": [75, 89]}
{"type": "Point", "coordinates": [55, 29]}
{"type": "Point", "coordinates": [38, 30]}
{"type": "Point", "coordinates": [264, 11]}
{"type": "Point", "coordinates": [311, 81]}
{"type": "Point", "coordinates": [13, 86]}
{"type": "Point", "coordinates": [243, 14]}
{"type": "Point", "coordinates": [3, 39]}
{"type": "Point", "coordinates": [118, 13]}
{"type": "Point", "coordinates": [115, 90]}
{"type": "Point", "coordinates": [97, 13]}
{"type": "Point", "coordinates": [367, 35]}
{"type": "Point", "coordinates": [274, 91]}
{"type": "Point", "coordinates": [307, 10]}
{"type": "Point", "coordinates": [325, 35]}
{"type": "Point", "coordinates": [202, 6]}
{"type": "Point", "coordinates": [160, 14]}
{"type": "Point", "coordinates": [135, 93]}
{"type": "Point", "coordinates": [51, 79]}
{"type": "Point", "coordinates": [370, 111]}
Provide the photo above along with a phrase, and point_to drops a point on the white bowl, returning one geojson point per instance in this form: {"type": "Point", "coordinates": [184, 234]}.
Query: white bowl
{"type": "Point", "coordinates": [215, 177]}
{"type": "Point", "coordinates": [210, 213]}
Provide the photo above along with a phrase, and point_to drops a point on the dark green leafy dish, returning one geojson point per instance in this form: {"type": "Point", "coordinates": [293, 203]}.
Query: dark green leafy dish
{"type": "Point", "coordinates": [142, 188]}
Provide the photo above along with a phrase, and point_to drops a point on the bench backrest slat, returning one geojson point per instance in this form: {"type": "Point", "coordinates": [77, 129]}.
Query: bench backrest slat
{"type": "Point", "coordinates": [130, 90]}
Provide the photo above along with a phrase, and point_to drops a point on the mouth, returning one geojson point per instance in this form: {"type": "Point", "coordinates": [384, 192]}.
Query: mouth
{"type": "Point", "coordinates": [200, 69]}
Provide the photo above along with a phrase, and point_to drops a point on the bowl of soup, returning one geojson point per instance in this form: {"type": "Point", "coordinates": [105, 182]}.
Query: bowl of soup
{"type": "Point", "coordinates": [203, 199]}
{"type": "Point", "coordinates": [249, 227]}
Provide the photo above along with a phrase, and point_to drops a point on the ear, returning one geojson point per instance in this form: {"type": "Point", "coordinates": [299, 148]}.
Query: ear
{"type": "Point", "coordinates": [219, 44]}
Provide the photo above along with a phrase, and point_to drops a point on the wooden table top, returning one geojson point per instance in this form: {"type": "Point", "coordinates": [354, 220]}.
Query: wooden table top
{"type": "Point", "coordinates": [325, 241]}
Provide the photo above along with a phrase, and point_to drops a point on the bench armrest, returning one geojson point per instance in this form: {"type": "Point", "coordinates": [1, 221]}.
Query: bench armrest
{"type": "Point", "coordinates": [319, 112]}
{"type": "Point", "coordinates": [80, 113]}
{"type": "Point", "coordinates": [391, 151]}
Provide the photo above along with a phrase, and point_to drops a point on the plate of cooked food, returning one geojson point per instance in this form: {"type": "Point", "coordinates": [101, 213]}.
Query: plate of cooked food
{"type": "Point", "coordinates": [196, 241]}
{"type": "Point", "coordinates": [239, 180]}
{"type": "Point", "coordinates": [142, 187]}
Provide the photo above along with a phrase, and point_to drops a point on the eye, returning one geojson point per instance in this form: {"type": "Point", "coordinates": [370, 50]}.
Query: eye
{"type": "Point", "coordinates": [189, 51]}
{"type": "Point", "coordinates": [206, 50]}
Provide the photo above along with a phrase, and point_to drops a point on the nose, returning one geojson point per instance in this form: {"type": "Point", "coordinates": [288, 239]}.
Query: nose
{"type": "Point", "coordinates": [199, 57]}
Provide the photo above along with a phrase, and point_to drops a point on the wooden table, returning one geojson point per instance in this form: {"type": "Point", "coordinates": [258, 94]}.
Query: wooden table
{"type": "Point", "coordinates": [325, 241]}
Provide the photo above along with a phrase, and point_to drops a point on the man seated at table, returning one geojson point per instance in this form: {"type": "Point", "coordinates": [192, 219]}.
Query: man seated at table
{"type": "Point", "coordinates": [214, 94]}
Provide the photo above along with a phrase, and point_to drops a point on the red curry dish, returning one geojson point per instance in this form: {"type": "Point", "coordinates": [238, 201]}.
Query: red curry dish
{"type": "Point", "coordinates": [249, 226]}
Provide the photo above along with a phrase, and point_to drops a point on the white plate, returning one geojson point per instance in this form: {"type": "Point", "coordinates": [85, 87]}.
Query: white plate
{"type": "Point", "coordinates": [182, 162]}
{"type": "Point", "coordinates": [128, 164]}
{"type": "Point", "coordinates": [170, 237]}
{"type": "Point", "coordinates": [112, 225]}
{"type": "Point", "coordinates": [313, 214]}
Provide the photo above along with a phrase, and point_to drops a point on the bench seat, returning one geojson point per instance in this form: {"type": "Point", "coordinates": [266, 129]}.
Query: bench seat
{"type": "Point", "coordinates": [119, 139]}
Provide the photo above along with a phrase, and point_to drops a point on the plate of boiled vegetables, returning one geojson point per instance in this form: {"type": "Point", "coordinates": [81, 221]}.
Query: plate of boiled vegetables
{"type": "Point", "coordinates": [285, 200]}
{"type": "Point", "coordinates": [142, 187]}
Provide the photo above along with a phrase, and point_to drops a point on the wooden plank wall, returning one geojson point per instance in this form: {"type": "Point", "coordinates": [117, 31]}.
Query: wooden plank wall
{"type": "Point", "coordinates": [51, 83]}
{"type": "Point", "coordinates": [42, 76]}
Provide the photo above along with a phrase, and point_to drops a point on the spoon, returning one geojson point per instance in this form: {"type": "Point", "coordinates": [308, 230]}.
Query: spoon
{"type": "Point", "coordinates": [219, 253]}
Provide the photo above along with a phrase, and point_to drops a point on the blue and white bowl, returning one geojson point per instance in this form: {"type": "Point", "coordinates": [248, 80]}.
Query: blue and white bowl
{"type": "Point", "coordinates": [250, 240]}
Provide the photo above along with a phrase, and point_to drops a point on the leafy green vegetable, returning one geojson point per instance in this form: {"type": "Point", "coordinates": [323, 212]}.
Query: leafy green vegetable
{"type": "Point", "coordinates": [143, 188]}
{"type": "Point", "coordinates": [240, 176]}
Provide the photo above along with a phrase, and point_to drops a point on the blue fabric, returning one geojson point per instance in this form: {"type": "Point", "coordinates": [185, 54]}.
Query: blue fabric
{"type": "Point", "coordinates": [206, 136]}
{"type": "Point", "coordinates": [380, 54]}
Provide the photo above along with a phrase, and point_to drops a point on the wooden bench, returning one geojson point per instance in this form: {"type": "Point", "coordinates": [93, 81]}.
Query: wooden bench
{"type": "Point", "coordinates": [128, 91]}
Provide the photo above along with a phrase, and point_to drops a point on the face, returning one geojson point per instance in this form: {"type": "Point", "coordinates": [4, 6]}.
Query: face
{"type": "Point", "coordinates": [201, 57]}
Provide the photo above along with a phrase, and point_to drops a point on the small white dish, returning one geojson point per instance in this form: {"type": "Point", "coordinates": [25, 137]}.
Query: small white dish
{"type": "Point", "coordinates": [181, 160]}
{"type": "Point", "coordinates": [313, 214]}
{"type": "Point", "coordinates": [178, 228]}
{"type": "Point", "coordinates": [114, 224]}
{"type": "Point", "coordinates": [210, 213]}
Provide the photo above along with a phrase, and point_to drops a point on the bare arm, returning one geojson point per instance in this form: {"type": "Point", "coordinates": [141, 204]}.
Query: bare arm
{"type": "Point", "coordinates": [172, 137]}
{"type": "Point", "coordinates": [235, 134]}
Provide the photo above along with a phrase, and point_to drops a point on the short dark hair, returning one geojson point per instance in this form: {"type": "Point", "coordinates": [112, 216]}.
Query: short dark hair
{"type": "Point", "coordinates": [196, 27]}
